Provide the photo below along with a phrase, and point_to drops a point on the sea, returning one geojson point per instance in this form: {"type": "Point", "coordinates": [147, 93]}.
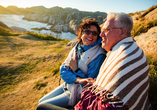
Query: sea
{"type": "Point", "coordinates": [18, 21]}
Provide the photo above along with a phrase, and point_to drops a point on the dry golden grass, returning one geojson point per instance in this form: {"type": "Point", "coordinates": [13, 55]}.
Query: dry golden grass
{"type": "Point", "coordinates": [26, 61]}
{"type": "Point", "coordinates": [144, 20]}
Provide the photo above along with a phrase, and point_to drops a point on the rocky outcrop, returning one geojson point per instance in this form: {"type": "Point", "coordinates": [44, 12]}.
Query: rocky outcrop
{"type": "Point", "coordinates": [152, 15]}
{"type": "Point", "coordinates": [4, 25]}
{"type": "Point", "coordinates": [63, 20]}
{"type": "Point", "coordinates": [148, 41]}
{"type": "Point", "coordinates": [13, 28]}
{"type": "Point", "coordinates": [18, 29]}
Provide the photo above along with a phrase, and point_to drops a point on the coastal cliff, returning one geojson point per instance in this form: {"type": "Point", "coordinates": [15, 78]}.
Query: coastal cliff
{"type": "Point", "coordinates": [66, 20]}
{"type": "Point", "coordinates": [61, 19]}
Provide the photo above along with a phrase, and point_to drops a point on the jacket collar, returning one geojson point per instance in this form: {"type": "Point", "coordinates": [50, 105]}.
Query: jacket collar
{"type": "Point", "coordinates": [86, 47]}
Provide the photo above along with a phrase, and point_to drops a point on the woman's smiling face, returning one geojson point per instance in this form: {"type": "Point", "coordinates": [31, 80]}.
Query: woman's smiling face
{"type": "Point", "coordinates": [89, 39]}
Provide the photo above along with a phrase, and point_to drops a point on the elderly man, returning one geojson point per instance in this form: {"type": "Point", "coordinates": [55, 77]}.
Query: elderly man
{"type": "Point", "coordinates": [123, 77]}
{"type": "Point", "coordinates": [124, 73]}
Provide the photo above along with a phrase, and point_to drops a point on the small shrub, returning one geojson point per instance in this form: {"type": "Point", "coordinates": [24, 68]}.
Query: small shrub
{"type": "Point", "coordinates": [39, 84]}
{"type": "Point", "coordinates": [34, 29]}
{"type": "Point", "coordinates": [152, 23]}
{"type": "Point", "coordinates": [45, 36]}
{"type": "Point", "coordinates": [45, 77]}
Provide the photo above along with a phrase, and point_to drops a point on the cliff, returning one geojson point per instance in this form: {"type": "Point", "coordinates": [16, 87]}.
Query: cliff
{"type": "Point", "coordinates": [61, 19]}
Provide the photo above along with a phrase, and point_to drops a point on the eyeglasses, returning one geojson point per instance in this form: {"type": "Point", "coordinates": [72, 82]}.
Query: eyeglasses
{"type": "Point", "coordinates": [94, 33]}
{"type": "Point", "coordinates": [107, 29]}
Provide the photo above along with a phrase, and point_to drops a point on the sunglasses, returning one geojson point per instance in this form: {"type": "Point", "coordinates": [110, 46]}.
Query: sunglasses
{"type": "Point", "coordinates": [94, 33]}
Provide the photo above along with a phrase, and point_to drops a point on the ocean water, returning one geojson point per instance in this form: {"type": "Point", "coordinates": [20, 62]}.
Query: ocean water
{"type": "Point", "coordinates": [16, 20]}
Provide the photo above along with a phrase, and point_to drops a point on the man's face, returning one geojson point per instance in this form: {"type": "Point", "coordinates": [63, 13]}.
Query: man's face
{"type": "Point", "coordinates": [110, 37]}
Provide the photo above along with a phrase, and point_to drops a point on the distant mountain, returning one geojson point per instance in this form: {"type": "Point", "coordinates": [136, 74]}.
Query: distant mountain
{"type": "Point", "coordinates": [4, 10]}
{"type": "Point", "coordinates": [20, 11]}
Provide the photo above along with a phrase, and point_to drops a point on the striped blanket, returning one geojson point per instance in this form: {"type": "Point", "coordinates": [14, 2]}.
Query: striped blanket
{"type": "Point", "coordinates": [124, 74]}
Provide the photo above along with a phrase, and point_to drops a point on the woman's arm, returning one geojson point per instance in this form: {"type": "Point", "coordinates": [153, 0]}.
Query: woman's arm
{"type": "Point", "coordinates": [67, 74]}
{"type": "Point", "coordinates": [70, 76]}
{"type": "Point", "coordinates": [93, 67]}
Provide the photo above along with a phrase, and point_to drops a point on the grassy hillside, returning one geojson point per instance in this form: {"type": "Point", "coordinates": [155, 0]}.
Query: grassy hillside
{"type": "Point", "coordinates": [7, 32]}
{"type": "Point", "coordinates": [142, 23]}
{"type": "Point", "coordinates": [28, 70]}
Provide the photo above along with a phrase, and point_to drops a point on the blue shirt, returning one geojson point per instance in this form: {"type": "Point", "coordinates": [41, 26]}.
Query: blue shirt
{"type": "Point", "coordinates": [93, 67]}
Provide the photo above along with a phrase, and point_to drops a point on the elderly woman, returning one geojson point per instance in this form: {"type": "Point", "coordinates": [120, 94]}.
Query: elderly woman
{"type": "Point", "coordinates": [81, 66]}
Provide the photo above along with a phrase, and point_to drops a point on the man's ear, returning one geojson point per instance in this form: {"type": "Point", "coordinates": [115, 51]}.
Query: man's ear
{"type": "Point", "coordinates": [123, 31]}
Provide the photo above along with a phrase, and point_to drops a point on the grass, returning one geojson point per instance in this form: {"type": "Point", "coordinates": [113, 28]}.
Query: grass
{"type": "Point", "coordinates": [34, 29]}
{"type": "Point", "coordinates": [152, 60]}
{"type": "Point", "coordinates": [39, 84]}
{"type": "Point", "coordinates": [147, 11]}
{"type": "Point", "coordinates": [29, 69]}
{"type": "Point", "coordinates": [45, 37]}
{"type": "Point", "coordinates": [143, 26]}
{"type": "Point", "coordinates": [30, 63]}
{"type": "Point", "coordinates": [143, 12]}
{"type": "Point", "coordinates": [7, 32]}
{"type": "Point", "coordinates": [56, 69]}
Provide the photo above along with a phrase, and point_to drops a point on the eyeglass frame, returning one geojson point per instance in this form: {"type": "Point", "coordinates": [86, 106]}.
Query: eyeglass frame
{"type": "Point", "coordinates": [94, 33]}
{"type": "Point", "coordinates": [107, 29]}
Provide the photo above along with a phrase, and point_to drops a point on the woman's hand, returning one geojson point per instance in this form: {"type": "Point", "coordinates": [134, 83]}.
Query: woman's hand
{"type": "Point", "coordinates": [84, 80]}
{"type": "Point", "coordinates": [73, 63]}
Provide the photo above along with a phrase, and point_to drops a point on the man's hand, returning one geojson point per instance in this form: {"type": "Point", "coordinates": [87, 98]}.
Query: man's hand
{"type": "Point", "coordinates": [84, 80]}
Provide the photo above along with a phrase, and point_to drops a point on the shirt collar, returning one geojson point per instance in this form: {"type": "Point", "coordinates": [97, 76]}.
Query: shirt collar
{"type": "Point", "coordinates": [86, 47]}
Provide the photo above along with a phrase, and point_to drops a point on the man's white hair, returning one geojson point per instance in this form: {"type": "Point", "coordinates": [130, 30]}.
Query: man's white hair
{"type": "Point", "coordinates": [122, 20]}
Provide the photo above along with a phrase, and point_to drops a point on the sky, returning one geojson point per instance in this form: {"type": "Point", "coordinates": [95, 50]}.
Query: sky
{"type": "Point", "coordinates": [126, 6]}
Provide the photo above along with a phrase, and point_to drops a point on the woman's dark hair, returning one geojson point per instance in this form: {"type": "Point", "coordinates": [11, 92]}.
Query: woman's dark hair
{"type": "Point", "coordinates": [85, 25]}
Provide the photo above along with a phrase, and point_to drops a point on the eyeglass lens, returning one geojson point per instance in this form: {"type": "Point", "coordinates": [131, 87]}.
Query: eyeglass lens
{"type": "Point", "coordinates": [94, 33]}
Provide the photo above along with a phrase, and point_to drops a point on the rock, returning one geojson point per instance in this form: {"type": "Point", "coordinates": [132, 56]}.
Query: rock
{"type": "Point", "coordinates": [45, 19]}
{"type": "Point", "coordinates": [73, 42]}
{"type": "Point", "coordinates": [73, 25]}
{"type": "Point", "coordinates": [4, 25]}
{"type": "Point", "coordinates": [148, 41]}
{"type": "Point", "coordinates": [57, 28]}
{"type": "Point", "coordinates": [65, 28]}
{"type": "Point", "coordinates": [151, 15]}
{"type": "Point", "coordinates": [51, 20]}
{"type": "Point", "coordinates": [18, 29]}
